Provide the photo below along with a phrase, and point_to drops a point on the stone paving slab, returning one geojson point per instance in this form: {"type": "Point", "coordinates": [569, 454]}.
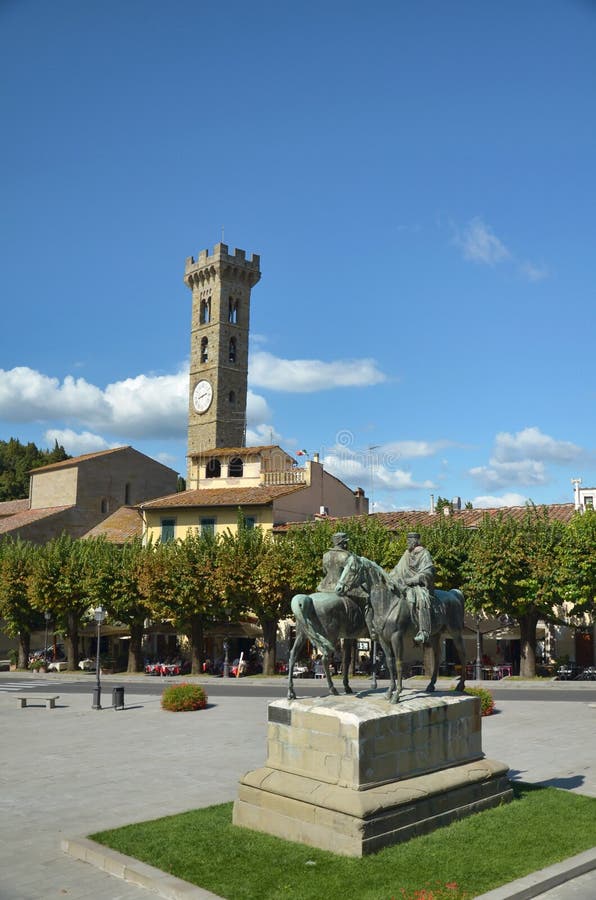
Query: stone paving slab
{"type": "Point", "coordinates": [73, 771]}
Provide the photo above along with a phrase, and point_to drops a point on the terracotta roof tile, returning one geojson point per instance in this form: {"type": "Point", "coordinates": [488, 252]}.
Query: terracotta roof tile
{"type": "Point", "coordinates": [27, 517]}
{"type": "Point", "coordinates": [236, 451]}
{"type": "Point", "coordinates": [470, 518]}
{"type": "Point", "coordinates": [123, 525]}
{"type": "Point", "coordinates": [10, 507]}
{"type": "Point", "coordinates": [253, 496]}
{"type": "Point", "coordinates": [77, 459]}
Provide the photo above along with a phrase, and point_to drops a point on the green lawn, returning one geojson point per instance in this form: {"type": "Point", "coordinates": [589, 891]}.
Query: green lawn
{"type": "Point", "coordinates": [539, 827]}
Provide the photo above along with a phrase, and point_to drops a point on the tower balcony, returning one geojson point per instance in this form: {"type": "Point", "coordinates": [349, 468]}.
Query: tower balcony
{"type": "Point", "coordinates": [289, 476]}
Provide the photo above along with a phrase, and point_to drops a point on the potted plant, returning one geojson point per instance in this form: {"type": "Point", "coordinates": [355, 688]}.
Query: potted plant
{"type": "Point", "coordinates": [13, 655]}
{"type": "Point", "coordinates": [38, 665]}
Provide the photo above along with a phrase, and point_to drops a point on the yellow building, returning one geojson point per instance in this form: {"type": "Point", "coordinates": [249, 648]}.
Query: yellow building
{"type": "Point", "coordinates": [263, 482]}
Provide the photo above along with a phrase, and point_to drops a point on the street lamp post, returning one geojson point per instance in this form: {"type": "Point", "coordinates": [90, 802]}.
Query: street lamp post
{"type": "Point", "coordinates": [478, 665]}
{"type": "Point", "coordinates": [47, 616]}
{"type": "Point", "coordinates": [226, 662]}
{"type": "Point", "coordinates": [99, 615]}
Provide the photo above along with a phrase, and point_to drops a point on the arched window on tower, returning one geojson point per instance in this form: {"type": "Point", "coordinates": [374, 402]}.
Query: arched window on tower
{"type": "Point", "coordinates": [233, 311]}
{"type": "Point", "coordinates": [204, 349]}
{"type": "Point", "coordinates": [232, 353]}
{"type": "Point", "coordinates": [232, 397]}
{"type": "Point", "coordinates": [213, 468]}
{"type": "Point", "coordinates": [235, 467]}
{"type": "Point", "coordinates": [205, 313]}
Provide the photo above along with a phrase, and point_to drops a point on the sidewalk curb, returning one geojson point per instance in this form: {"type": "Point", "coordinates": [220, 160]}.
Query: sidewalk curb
{"type": "Point", "coordinates": [544, 879]}
{"type": "Point", "coordinates": [134, 871]}
{"type": "Point", "coordinates": [172, 888]}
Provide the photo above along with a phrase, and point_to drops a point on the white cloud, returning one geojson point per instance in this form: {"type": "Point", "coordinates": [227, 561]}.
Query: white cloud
{"type": "Point", "coordinates": [520, 458]}
{"type": "Point", "coordinates": [262, 435]}
{"type": "Point", "coordinates": [479, 244]}
{"type": "Point", "coordinates": [77, 444]}
{"type": "Point", "coordinates": [257, 410]}
{"type": "Point", "coordinates": [489, 502]}
{"type": "Point", "coordinates": [412, 449]}
{"type": "Point", "coordinates": [309, 375]}
{"type": "Point", "coordinates": [355, 468]}
{"type": "Point", "coordinates": [496, 474]}
{"type": "Point", "coordinates": [531, 443]}
{"type": "Point", "coordinates": [533, 272]}
{"type": "Point", "coordinates": [145, 406]}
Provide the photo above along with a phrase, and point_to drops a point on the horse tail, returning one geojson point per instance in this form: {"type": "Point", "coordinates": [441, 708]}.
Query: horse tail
{"type": "Point", "coordinates": [306, 616]}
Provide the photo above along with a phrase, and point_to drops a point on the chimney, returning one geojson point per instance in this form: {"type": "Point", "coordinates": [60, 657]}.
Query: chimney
{"type": "Point", "coordinates": [315, 457]}
{"type": "Point", "coordinates": [446, 510]}
{"type": "Point", "coordinates": [576, 495]}
{"type": "Point", "coordinates": [433, 511]}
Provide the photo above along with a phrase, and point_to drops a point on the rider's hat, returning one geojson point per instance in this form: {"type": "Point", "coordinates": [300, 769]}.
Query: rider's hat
{"type": "Point", "coordinates": [339, 537]}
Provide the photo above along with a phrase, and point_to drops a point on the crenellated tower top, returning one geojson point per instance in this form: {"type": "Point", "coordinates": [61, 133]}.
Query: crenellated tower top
{"type": "Point", "coordinates": [223, 265]}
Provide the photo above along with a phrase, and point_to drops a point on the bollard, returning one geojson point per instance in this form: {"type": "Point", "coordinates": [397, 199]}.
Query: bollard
{"type": "Point", "coordinates": [118, 697]}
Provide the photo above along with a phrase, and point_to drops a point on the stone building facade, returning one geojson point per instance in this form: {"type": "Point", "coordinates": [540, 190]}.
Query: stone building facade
{"type": "Point", "coordinates": [76, 494]}
{"type": "Point", "coordinates": [221, 285]}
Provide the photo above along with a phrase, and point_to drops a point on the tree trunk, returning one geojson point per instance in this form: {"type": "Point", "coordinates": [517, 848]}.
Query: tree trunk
{"type": "Point", "coordinates": [269, 627]}
{"type": "Point", "coordinates": [135, 647]}
{"type": "Point", "coordinates": [24, 648]}
{"type": "Point", "coordinates": [196, 645]}
{"type": "Point", "coordinates": [527, 630]}
{"type": "Point", "coordinates": [71, 641]}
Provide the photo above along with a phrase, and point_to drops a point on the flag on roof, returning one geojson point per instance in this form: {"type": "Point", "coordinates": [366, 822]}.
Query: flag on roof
{"type": "Point", "coordinates": [301, 453]}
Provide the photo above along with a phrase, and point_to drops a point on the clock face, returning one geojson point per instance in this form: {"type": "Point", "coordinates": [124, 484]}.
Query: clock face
{"type": "Point", "coordinates": [202, 396]}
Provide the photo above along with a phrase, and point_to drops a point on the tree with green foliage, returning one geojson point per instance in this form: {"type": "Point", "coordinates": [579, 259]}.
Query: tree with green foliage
{"type": "Point", "coordinates": [60, 583]}
{"type": "Point", "coordinates": [16, 460]}
{"type": "Point", "coordinates": [306, 545]}
{"type": "Point", "coordinates": [449, 544]}
{"type": "Point", "coordinates": [20, 617]}
{"type": "Point", "coordinates": [180, 582]}
{"type": "Point", "coordinates": [370, 538]}
{"type": "Point", "coordinates": [240, 558]}
{"type": "Point", "coordinates": [512, 570]}
{"type": "Point", "coordinates": [114, 581]}
{"type": "Point", "coordinates": [577, 564]}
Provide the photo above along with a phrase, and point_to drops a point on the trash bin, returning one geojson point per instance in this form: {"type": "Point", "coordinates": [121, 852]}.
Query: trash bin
{"type": "Point", "coordinates": [118, 697]}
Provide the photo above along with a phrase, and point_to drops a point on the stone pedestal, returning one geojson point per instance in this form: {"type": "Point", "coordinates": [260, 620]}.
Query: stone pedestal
{"type": "Point", "coordinates": [354, 774]}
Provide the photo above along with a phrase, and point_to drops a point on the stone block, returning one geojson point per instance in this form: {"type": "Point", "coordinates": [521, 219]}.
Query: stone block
{"type": "Point", "coordinates": [353, 775]}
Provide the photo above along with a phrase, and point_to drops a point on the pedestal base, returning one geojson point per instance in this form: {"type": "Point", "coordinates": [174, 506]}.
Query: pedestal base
{"type": "Point", "coordinates": [355, 823]}
{"type": "Point", "coordinates": [353, 775]}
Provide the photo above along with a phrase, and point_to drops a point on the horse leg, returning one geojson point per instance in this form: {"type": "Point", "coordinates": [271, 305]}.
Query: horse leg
{"type": "Point", "coordinates": [299, 643]}
{"type": "Point", "coordinates": [434, 642]}
{"type": "Point", "coordinates": [327, 660]}
{"type": "Point", "coordinates": [396, 665]}
{"type": "Point", "coordinates": [461, 652]}
{"type": "Point", "coordinates": [348, 647]}
{"type": "Point", "coordinates": [390, 660]}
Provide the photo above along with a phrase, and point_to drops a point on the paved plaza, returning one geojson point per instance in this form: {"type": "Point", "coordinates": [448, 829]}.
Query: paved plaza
{"type": "Point", "coordinates": [71, 771]}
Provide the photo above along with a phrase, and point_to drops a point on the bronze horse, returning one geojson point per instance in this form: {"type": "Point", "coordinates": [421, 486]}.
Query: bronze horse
{"type": "Point", "coordinates": [325, 618]}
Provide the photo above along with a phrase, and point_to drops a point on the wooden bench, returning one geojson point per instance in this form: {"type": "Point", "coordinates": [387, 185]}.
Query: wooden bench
{"type": "Point", "coordinates": [49, 700]}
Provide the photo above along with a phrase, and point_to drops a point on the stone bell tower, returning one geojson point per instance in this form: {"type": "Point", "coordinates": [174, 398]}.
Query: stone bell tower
{"type": "Point", "coordinates": [221, 286]}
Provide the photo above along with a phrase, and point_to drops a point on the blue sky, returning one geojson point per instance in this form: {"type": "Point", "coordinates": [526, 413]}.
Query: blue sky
{"type": "Point", "coordinates": [418, 178]}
